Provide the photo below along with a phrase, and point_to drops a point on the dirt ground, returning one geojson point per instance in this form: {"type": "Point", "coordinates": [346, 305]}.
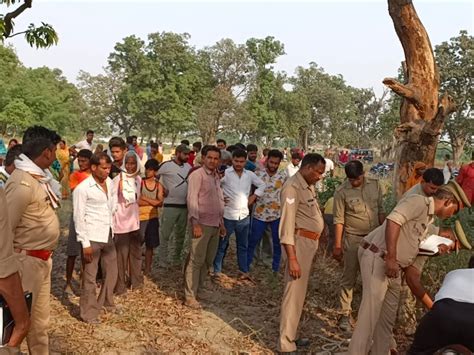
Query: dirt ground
{"type": "Point", "coordinates": [242, 317]}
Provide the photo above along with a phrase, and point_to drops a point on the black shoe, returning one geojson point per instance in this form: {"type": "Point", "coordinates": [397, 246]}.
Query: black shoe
{"type": "Point", "coordinates": [302, 342]}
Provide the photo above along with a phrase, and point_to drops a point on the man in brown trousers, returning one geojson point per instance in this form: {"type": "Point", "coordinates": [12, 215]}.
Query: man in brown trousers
{"type": "Point", "coordinates": [300, 227]}
{"type": "Point", "coordinates": [93, 210]}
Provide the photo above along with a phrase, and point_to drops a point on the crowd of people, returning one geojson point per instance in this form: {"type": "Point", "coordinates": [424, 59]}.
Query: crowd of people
{"type": "Point", "coordinates": [128, 203]}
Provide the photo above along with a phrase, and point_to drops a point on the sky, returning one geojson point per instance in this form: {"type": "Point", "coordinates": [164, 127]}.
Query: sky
{"type": "Point", "coordinates": [352, 38]}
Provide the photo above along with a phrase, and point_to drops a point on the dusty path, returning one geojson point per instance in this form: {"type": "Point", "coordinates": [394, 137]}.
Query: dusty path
{"type": "Point", "coordinates": [242, 317]}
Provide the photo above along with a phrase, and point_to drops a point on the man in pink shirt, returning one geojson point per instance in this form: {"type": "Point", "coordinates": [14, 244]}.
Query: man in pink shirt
{"type": "Point", "coordinates": [205, 214]}
{"type": "Point", "coordinates": [466, 179]}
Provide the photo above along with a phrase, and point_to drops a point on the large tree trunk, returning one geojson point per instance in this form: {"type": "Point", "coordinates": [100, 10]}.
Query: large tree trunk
{"type": "Point", "coordinates": [422, 113]}
{"type": "Point", "coordinates": [457, 145]}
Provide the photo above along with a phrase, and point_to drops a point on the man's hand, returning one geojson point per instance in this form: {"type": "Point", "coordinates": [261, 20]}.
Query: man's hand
{"type": "Point", "coordinates": [197, 231]}
{"type": "Point", "coordinates": [443, 249]}
{"type": "Point", "coordinates": [252, 199]}
{"type": "Point", "coordinates": [391, 268]}
{"type": "Point", "coordinates": [88, 254]}
{"type": "Point", "coordinates": [294, 268]}
{"type": "Point", "coordinates": [222, 231]}
{"type": "Point", "coordinates": [337, 253]}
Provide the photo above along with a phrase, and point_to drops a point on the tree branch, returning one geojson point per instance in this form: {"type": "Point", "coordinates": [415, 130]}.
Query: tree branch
{"type": "Point", "coordinates": [400, 89]}
{"type": "Point", "coordinates": [12, 15]}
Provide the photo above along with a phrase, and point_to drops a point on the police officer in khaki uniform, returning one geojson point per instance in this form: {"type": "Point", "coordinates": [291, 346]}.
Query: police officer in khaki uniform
{"type": "Point", "coordinates": [32, 197]}
{"type": "Point", "coordinates": [358, 210]}
{"type": "Point", "coordinates": [383, 253]}
{"type": "Point", "coordinates": [300, 227]}
{"type": "Point", "coordinates": [10, 282]}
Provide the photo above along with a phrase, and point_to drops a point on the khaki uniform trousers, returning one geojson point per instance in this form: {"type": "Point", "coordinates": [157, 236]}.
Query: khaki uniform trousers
{"type": "Point", "coordinates": [378, 310]}
{"type": "Point", "coordinates": [350, 272]}
{"type": "Point", "coordinates": [294, 293]}
{"type": "Point", "coordinates": [36, 278]}
{"type": "Point", "coordinates": [129, 248]}
{"type": "Point", "coordinates": [200, 260]}
{"type": "Point", "coordinates": [90, 305]}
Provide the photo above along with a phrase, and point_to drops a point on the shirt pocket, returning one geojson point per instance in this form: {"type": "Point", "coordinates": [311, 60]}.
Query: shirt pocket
{"type": "Point", "coordinates": [356, 205]}
{"type": "Point", "coordinates": [419, 230]}
{"type": "Point", "coordinates": [312, 206]}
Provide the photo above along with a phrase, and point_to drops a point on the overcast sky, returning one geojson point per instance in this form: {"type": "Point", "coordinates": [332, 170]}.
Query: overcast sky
{"type": "Point", "coordinates": [352, 38]}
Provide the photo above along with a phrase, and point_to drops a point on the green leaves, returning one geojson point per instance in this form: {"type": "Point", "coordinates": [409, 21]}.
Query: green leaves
{"type": "Point", "coordinates": [41, 37]}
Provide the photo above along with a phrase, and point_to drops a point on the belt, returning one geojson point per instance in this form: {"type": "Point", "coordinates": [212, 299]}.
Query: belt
{"type": "Point", "coordinates": [40, 254]}
{"type": "Point", "coordinates": [307, 234]}
{"type": "Point", "coordinates": [373, 248]}
{"type": "Point", "coordinates": [175, 205]}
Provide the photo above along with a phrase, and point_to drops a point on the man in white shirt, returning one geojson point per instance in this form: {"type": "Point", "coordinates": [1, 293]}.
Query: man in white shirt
{"type": "Point", "coordinates": [294, 164]}
{"type": "Point", "coordinates": [93, 211]}
{"type": "Point", "coordinates": [451, 319]}
{"type": "Point", "coordinates": [236, 185]}
{"type": "Point", "coordinates": [86, 143]}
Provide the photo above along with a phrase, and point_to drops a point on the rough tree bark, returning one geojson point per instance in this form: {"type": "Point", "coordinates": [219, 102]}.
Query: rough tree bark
{"type": "Point", "coordinates": [423, 112]}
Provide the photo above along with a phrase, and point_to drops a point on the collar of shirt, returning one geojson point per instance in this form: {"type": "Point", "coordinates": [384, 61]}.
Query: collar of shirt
{"type": "Point", "coordinates": [302, 181]}
{"type": "Point", "coordinates": [431, 206]}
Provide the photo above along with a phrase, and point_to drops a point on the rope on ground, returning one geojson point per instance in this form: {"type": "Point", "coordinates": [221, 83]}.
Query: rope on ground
{"type": "Point", "coordinates": [331, 346]}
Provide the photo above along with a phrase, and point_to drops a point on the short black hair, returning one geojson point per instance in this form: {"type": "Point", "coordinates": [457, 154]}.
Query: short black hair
{"type": "Point", "coordinates": [152, 164]}
{"type": "Point", "coordinates": [117, 142]}
{"type": "Point", "coordinates": [96, 158]}
{"type": "Point", "coordinates": [220, 140]}
{"type": "Point", "coordinates": [185, 141]}
{"type": "Point", "coordinates": [231, 148]}
{"type": "Point", "coordinates": [85, 153]}
{"type": "Point", "coordinates": [434, 176]}
{"type": "Point", "coordinates": [210, 148]}
{"type": "Point", "coordinates": [197, 145]}
{"type": "Point", "coordinates": [240, 146]}
{"type": "Point", "coordinates": [154, 145]}
{"type": "Point", "coordinates": [312, 159]}
{"type": "Point", "coordinates": [129, 140]}
{"type": "Point", "coordinates": [12, 154]}
{"type": "Point", "coordinates": [252, 148]}
{"type": "Point", "coordinates": [275, 153]}
{"type": "Point", "coordinates": [239, 153]}
{"type": "Point", "coordinates": [90, 131]}
{"type": "Point", "coordinates": [36, 139]}
{"type": "Point", "coordinates": [134, 137]}
{"type": "Point", "coordinates": [354, 169]}
{"type": "Point", "coordinates": [13, 140]}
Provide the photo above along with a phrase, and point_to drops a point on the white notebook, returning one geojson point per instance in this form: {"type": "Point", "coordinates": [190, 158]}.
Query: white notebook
{"type": "Point", "coordinates": [429, 246]}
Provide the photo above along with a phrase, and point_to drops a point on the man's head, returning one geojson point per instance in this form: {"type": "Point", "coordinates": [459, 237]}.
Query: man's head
{"type": "Point", "coordinates": [100, 166]}
{"type": "Point", "coordinates": [197, 147]}
{"type": "Point", "coordinates": [182, 153]}
{"type": "Point", "coordinates": [355, 172]}
{"type": "Point", "coordinates": [151, 168]}
{"type": "Point", "coordinates": [117, 148]}
{"type": "Point", "coordinates": [11, 143]}
{"type": "Point", "coordinates": [129, 140]}
{"type": "Point", "coordinates": [446, 203]}
{"type": "Point", "coordinates": [239, 158]}
{"type": "Point", "coordinates": [153, 149]}
{"type": "Point", "coordinates": [89, 136]}
{"type": "Point", "coordinates": [432, 179]}
{"type": "Point", "coordinates": [134, 141]}
{"type": "Point", "coordinates": [312, 168]}
{"type": "Point", "coordinates": [12, 154]}
{"type": "Point", "coordinates": [252, 151]}
{"type": "Point", "coordinates": [274, 159]}
{"type": "Point", "coordinates": [221, 144]}
{"type": "Point", "coordinates": [84, 159]}
{"type": "Point", "coordinates": [39, 144]}
{"type": "Point", "coordinates": [295, 158]}
{"type": "Point", "coordinates": [265, 152]}
{"type": "Point", "coordinates": [185, 142]}
{"type": "Point", "coordinates": [212, 157]}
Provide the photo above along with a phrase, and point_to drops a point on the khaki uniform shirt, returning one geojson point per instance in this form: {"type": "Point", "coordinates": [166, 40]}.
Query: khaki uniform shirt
{"type": "Point", "coordinates": [8, 264]}
{"type": "Point", "coordinates": [358, 208]}
{"type": "Point", "coordinates": [300, 209]}
{"type": "Point", "coordinates": [415, 190]}
{"type": "Point", "coordinates": [32, 218]}
{"type": "Point", "coordinates": [414, 214]}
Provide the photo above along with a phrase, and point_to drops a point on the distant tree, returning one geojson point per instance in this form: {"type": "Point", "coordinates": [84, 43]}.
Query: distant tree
{"type": "Point", "coordinates": [455, 60]}
{"type": "Point", "coordinates": [41, 37]}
